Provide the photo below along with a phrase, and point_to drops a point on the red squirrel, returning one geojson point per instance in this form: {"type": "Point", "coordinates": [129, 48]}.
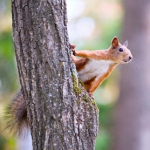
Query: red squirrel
{"type": "Point", "coordinates": [93, 69]}
{"type": "Point", "coordinates": [95, 66]}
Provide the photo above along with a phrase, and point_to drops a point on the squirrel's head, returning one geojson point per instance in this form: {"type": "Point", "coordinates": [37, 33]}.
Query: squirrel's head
{"type": "Point", "coordinates": [119, 53]}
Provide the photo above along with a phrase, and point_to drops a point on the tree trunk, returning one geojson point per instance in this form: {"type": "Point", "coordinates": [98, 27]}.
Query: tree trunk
{"type": "Point", "coordinates": [132, 114]}
{"type": "Point", "coordinates": [61, 114]}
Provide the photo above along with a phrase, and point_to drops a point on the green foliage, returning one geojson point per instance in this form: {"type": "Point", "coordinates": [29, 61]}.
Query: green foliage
{"type": "Point", "coordinates": [103, 141]}
{"type": "Point", "coordinates": [8, 74]}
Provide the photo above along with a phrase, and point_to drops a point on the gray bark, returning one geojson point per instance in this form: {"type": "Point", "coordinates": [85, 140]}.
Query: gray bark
{"type": "Point", "coordinates": [132, 113]}
{"type": "Point", "coordinates": [61, 114]}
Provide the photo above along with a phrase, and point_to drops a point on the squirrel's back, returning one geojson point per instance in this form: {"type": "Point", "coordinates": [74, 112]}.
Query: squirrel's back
{"type": "Point", "coordinates": [16, 114]}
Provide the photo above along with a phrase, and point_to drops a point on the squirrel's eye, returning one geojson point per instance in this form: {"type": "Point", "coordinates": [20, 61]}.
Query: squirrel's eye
{"type": "Point", "coordinates": [120, 50]}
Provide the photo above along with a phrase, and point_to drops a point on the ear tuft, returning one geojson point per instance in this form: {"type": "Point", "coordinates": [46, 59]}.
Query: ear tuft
{"type": "Point", "coordinates": [115, 42]}
{"type": "Point", "coordinates": [125, 44]}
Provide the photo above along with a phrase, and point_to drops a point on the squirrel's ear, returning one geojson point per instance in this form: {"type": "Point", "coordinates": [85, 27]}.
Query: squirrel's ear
{"type": "Point", "coordinates": [125, 44]}
{"type": "Point", "coordinates": [115, 42]}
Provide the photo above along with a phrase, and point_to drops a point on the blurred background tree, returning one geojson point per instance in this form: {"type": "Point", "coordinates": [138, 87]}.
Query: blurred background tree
{"type": "Point", "coordinates": [132, 121]}
{"type": "Point", "coordinates": [92, 25]}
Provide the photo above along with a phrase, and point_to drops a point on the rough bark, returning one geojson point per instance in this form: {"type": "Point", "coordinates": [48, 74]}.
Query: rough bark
{"type": "Point", "coordinates": [132, 121]}
{"type": "Point", "coordinates": [60, 112]}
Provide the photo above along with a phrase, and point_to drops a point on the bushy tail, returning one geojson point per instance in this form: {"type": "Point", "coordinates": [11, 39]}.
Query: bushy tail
{"type": "Point", "coordinates": [16, 114]}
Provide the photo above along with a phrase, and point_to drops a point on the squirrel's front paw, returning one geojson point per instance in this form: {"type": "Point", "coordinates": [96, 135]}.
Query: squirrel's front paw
{"type": "Point", "coordinates": [72, 46]}
{"type": "Point", "coordinates": [74, 52]}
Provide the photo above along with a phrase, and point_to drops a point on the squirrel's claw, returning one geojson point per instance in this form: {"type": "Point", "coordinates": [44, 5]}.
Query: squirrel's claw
{"type": "Point", "coordinates": [74, 52]}
{"type": "Point", "coordinates": [72, 47]}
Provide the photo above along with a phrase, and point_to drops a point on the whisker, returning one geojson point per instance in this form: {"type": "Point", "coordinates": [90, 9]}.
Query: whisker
{"type": "Point", "coordinates": [135, 65]}
{"type": "Point", "coordinates": [136, 60]}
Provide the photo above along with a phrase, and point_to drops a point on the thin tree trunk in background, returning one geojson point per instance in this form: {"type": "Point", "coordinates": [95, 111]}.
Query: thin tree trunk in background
{"type": "Point", "coordinates": [60, 112]}
{"type": "Point", "coordinates": [132, 113]}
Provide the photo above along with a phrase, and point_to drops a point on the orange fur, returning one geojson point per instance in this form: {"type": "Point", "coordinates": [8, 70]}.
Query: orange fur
{"type": "Point", "coordinates": [97, 83]}
{"type": "Point", "coordinates": [95, 66]}
{"type": "Point", "coordinates": [80, 63]}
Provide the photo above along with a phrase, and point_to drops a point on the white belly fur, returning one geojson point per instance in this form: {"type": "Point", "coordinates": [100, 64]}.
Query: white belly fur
{"type": "Point", "coordinates": [94, 68]}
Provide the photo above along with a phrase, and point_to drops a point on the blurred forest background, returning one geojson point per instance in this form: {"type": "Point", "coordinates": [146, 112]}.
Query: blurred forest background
{"type": "Point", "coordinates": [124, 98]}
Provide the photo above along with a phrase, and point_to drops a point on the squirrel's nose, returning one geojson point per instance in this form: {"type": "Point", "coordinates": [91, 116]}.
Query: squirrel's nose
{"type": "Point", "coordinates": [130, 57]}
